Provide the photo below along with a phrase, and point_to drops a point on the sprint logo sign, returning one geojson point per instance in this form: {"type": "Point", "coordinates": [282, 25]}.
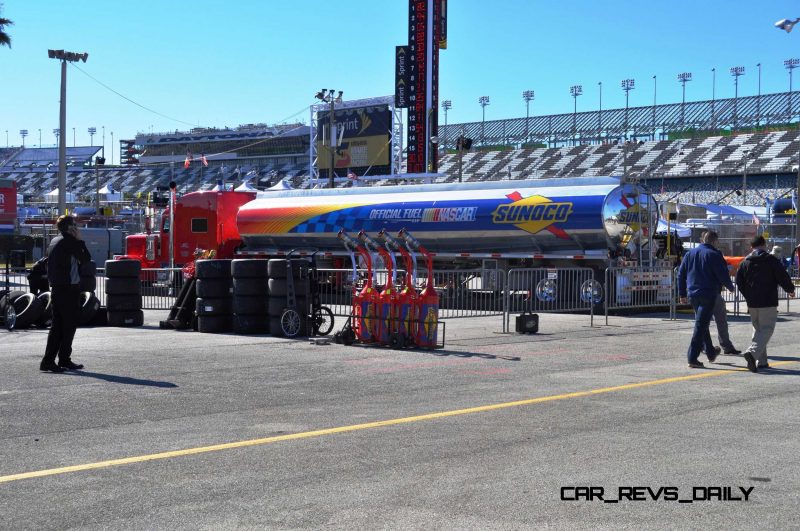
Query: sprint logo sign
{"type": "Point", "coordinates": [533, 214]}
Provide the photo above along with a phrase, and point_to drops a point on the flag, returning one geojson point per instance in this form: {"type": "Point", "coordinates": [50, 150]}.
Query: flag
{"type": "Point", "coordinates": [188, 160]}
{"type": "Point", "coordinates": [203, 159]}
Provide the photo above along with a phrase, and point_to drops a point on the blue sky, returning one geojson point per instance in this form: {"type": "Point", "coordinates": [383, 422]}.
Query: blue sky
{"type": "Point", "coordinates": [212, 63]}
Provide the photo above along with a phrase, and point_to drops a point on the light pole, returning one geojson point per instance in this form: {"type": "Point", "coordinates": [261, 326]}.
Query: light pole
{"type": "Point", "coordinates": [627, 85]}
{"type": "Point", "coordinates": [713, 97]}
{"type": "Point", "coordinates": [328, 96]}
{"type": "Point", "coordinates": [92, 131]}
{"type": "Point", "coordinates": [73, 137]}
{"type": "Point", "coordinates": [787, 26]}
{"type": "Point", "coordinates": [684, 77]}
{"type": "Point", "coordinates": [40, 137]}
{"type": "Point", "coordinates": [64, 57]}
{"type": "Point", "coordinates": [57, 133]}
{"type": "Point", "coordinates": [744, 177]}
{"type": "Point", "coordinates": [23, 133]}
{"type": "Point", "coordinates": [575, 91]}
{"type": "Point", "coordinates": [446, 106]}
{"type": "Point", "coordinates": [758, 100]}
{"type": "Point", "coordinates": [790, 65]}
{"type": "Point", "coordinates": [600, 112]}
{"type": "Point", "coordinates": [528, 96]}
{"type": "Point", "coordinates": [104, 142]}
{"type": "Point", "coordinates": [655, 91]}
{"type": "Point", "coordinates": [6, 137]}
{"type": "Point", "coordinates": [112, 148]}
{"type": "Point", "coordinates": [483, 101]}
{"type": "Point", "coordinates": [736, 71]}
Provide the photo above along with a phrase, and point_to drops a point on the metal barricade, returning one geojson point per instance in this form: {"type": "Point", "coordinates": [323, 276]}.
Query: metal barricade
{"type": "Point", "coordinates": [639, 287]}
{"type": "Point", "coordinates": [160, 287]}
{"type": "Point", "coordinates": [551, 290]}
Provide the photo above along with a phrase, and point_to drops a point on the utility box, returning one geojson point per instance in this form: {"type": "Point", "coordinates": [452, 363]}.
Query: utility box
{"type": "Point", "coordinates": [527, 323]}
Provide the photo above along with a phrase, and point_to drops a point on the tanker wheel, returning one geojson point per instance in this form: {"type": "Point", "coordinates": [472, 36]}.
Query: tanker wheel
{"type": "Point", "coordinates": [323, 321]}
{"type": "Point", "coordinates": [290, 323]}
{"type": "Point", "coordinates": [10, 317]}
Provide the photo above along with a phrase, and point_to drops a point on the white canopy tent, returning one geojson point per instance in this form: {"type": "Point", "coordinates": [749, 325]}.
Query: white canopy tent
{"type": "Point", "coordinates": [109, 194]}
{"type": "Point", "coordinates": [52, 197]}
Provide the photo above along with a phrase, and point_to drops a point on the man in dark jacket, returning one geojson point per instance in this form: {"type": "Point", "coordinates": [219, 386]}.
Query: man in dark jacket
{"type": "Point", "coordinates": [700, 278]}
{"type": "Point", "coordinates": [758, 279]}
{"type": "Point", "coordinates": [65, 255]}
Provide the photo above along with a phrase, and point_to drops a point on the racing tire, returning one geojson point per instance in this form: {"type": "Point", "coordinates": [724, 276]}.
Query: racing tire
{"type": "Point", "coordinates": [323, 321]}
{"type": "Point", "coordinates": [214, 268]}
{"type": "Point", "coordinates": [88, 283]}
{"type": "Point", "coordinates": [251, 286]}
{"type": "Point", "coordinates": [276, 267]}
{"type": "Point", "coordinates": [46, 319]}
{"type": "Point", "coordinates": [278, 288]}
{"type": "Point", "coordinates": [126, 268]}
{"type": "Point", "coordinates": [246, 305]}
{"type": "Point", "coordinates": [123, 303]}
{"type": "Point", "coordinates": [123, 286]}
{"type": "Point", "coordinates": [89, 306]}
{"type": "Point", "coordinates": [213, 287]}
{"type": "Point", "coordinates": [214, 324]}
{"type": "Point", "coordinates": [126, 319]}
{"type": "Point", "coordinates": [88, 269]}
{"type": "Point", "coordinates": [28, 309]}
{"type": "Point", "coordinates": [249, 268]}
{"type": "Point", "coordinates": [213, 306]}
{"type": "Point", "coordinates": [250, 324]}
{"type": "Point", "coordinates": [9, 297]}
{"type": "Point", "coordinates": [276, 305]}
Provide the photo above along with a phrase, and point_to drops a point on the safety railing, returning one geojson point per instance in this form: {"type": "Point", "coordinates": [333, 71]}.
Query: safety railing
{"type": "Point", "coordinates": [639, 287]}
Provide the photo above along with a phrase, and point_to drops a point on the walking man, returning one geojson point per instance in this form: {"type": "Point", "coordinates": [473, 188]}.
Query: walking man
{"type": "Point", "coordinates": [700, 278]}
{"type": "Point", "coordinates": [758, 279]}
{"type": "Point", "coordinates": [65, 254]}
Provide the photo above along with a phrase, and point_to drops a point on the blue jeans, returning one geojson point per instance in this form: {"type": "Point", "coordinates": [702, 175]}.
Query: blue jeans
{"type": "Point", "coordinates": [701, 337]}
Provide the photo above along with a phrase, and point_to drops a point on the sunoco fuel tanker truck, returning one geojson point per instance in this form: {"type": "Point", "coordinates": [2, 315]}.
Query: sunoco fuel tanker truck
{"type": "Point", "coordinates": [586, 222]}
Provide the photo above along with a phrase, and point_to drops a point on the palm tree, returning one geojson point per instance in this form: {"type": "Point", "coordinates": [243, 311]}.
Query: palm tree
{"type": "Point", "coordinates": [5, 38]}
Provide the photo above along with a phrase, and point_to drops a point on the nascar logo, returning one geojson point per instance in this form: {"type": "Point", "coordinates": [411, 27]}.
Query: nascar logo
{"type": "Point", "coordinates": [533, 214]}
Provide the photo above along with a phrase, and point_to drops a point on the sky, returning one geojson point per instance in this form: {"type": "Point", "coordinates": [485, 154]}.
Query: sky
{"type": "Point", "coordinates": [222, 64]}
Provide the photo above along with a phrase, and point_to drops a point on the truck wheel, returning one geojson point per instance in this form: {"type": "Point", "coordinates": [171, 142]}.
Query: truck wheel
{"type": "Point", "coordinates": [123, 286]}
{"type": "Point", "coordinates": [123, 303]}
{"type": "Point", "coordinates": [125, 268]}
{"type": "Point", "coordinates": [88, 283]}
{"type": "Point", "coordinates": [251, 286]}
{"type": "Point", "coordinates": [250, 324]}
{"type": "Point", "coordinates": [213, 268]}
{"type": "Point", "coordinates": [249, 268]}
{"type": "Point", "coordinates": [89, 306]}
{"type": "Point", "coordinates": [213, 287]}
{"type": "Point", "coordinates": [213, 306]}
{"type": "Point", "coordinates": [214, 324]}
{"type": "Point", "coordinates": [249, 305]}
{"type": "Point", "coordinates": [46, 319]}
{"type": "Point", "coordinates": [277, 287]}
{"type": "Point", "coordinates": [130, 318]}
{"type": "Point", "coordinates": [28, 309]}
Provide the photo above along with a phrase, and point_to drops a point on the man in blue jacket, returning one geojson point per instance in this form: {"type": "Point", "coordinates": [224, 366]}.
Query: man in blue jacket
{"type": "Point", "coordinates": [758, 279]}
{"type": "Point", "coordinates": [701, 276]}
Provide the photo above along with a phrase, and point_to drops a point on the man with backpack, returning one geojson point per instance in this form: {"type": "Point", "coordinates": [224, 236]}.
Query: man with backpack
{"type": "Point", "coordinates": [758, 279]}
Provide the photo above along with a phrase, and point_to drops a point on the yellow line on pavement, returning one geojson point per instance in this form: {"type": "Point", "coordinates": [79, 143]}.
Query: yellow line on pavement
{"type": "Point", "coordinates": [364, 426]}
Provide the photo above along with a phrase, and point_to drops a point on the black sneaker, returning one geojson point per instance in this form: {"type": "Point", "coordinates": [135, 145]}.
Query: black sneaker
{"type": "Point", "coordinates": [52, 367]}
{"type": "Point", "coordinates": [70, 365]}
{"type": "Point", "coordinates": [763, 366]}
{"type": "Point", "coordinates": [713, 356]}
{"type": "Point", "coordinates": [696, 365]}
{"type": "Point", "coordinates": [732, 352]}
{"type": "Point", "coordinates": [751, 362]}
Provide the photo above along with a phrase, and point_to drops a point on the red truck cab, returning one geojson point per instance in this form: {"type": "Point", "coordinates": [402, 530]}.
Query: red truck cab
{"type": "Point", "coordinates": [203, 220]}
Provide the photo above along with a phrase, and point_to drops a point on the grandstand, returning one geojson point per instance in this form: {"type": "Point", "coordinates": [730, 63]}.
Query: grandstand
{"type": "Point", "coordinates": [700, 152]}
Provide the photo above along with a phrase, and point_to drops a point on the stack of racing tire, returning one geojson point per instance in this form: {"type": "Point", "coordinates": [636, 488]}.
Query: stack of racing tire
{"type": "Point", "coordinates": [214, 305]}
{"type": "Point", "coordinates": [124, 293]}
{"type": "Point", "coordinates": [28, 307]}
{"type": "Point", "coordinates": [250, 296]}
{"type": "Point", "coordinates": [283, 320]}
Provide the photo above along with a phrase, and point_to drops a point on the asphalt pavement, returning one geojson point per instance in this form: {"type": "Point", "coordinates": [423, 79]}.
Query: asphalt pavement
{"type": "Point", "coordinates": [182, 430]}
